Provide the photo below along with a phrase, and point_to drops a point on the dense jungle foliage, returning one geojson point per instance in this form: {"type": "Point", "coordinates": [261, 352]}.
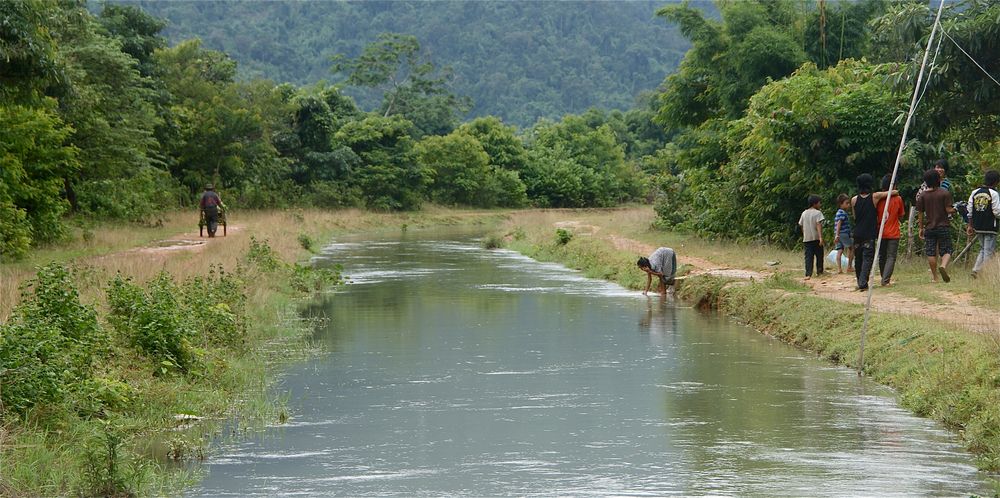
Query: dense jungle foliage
{"type": "Point", "coordinates": [101, 117]}
{"type": "Point", "coordinates": [519, 61]}
{"type": "Point", "coordinates": [774, 100]}
{"type": "Point", "coordinates": [773, 103]}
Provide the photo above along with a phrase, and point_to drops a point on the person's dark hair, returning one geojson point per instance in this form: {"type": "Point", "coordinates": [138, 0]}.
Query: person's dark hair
{"type": "Point", "coordinates": [841, 198]}
{"type": "Point", "coordinates": [941, 163]}
{"type": "Point", "coordinates": [813, 200]}
{"type": "Point", "coordinates": [992, 178]}
{"type": "Point", "coordinates": [932, 178]}
{"type": "Point", "coordinates": [886, 181]}
{"type": "Point", "coordinates": [865, 182]}
{"type": "Point", "coordinates": [643, 262]}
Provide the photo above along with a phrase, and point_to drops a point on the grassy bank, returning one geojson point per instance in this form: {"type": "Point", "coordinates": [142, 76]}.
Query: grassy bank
{"type": "Point", "coordinates": [940, 371]}
{"type": "Point", "coordinates": [162, 345]}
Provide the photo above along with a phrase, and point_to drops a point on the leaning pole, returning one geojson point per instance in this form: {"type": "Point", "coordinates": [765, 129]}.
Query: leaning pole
{"type": "Point", "coordinates": [892, 182]}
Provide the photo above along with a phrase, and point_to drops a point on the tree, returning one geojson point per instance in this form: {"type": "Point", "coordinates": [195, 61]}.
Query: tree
{"type": "Point", "coordinates": [28, 61]}
{"type": "Point", "coordinates": [728, 62]}
{"type": "Point", "coordinates": [389, 177]}
{"type": "Point", "coordinates": [501, 143]}
{"type": "Point", "coordinates": [812, 132]}
{"type": "Point", "coordinates": [608, 179]}
{"type": "Point", "coordinates": [33, 162]}
{"type": "Point", "coordinates": [138, 33]}
{"type": "Point", "coordinates": [213, 133]}
{"type": "Point", "coordinates": [410, 84]}
{"type": "Point", "coordinates": [109, 107]}
{"type": "Point", "coordinates": [463, 173]}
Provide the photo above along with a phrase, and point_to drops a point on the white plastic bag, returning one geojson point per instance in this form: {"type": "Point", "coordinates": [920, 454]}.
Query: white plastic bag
{"type": "Point", "coordinates": [832, 258]}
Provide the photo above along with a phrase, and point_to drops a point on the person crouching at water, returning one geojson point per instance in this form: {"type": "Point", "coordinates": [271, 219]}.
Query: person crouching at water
{"type": "Point", "coordinates": [663, 264]}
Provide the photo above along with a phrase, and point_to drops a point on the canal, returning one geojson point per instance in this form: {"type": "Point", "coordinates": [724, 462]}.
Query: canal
{"type": "Point", "coordinates": [449, 369]}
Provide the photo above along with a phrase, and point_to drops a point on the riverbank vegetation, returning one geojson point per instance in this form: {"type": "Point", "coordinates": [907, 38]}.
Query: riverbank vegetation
{"type": "Point", "coordinates": [119, 365]}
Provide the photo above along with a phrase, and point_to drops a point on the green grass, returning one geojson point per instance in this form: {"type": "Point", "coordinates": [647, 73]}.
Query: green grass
{"type": "Point", "coordinates": [940, 372]}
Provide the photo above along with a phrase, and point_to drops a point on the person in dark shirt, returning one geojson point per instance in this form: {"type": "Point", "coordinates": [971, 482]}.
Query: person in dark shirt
{"type": "Point", "coordinates": [933, 208]}
{"type": "Point", "coordinates": [984, 218]}
{"type": "Point", "coordinates": [865, 228]}
{"type": "Point", "coordinates": [210, 204]}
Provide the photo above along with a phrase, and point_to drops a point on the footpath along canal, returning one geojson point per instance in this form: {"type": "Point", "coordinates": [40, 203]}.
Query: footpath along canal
{"type": "Point", "coordinates": [449, 369]}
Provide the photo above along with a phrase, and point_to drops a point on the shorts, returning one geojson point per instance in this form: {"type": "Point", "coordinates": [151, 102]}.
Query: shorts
{"type": "Point", "coordinates": [937, 241]}
{"type": "Point", "coordinates": [845, 240]}
{"type": "Point", "coordinates": [667, 280]}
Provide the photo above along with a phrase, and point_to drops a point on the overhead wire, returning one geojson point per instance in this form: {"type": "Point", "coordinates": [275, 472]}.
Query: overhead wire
{"type": "Point", "coordinates": [987, 73]}
{"type": "Point", "coordinates": [892, 184]}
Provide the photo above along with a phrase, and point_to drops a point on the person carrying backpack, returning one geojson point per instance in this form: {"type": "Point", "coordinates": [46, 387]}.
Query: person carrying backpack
{"type": "Point", "coordinates": [984, 218]}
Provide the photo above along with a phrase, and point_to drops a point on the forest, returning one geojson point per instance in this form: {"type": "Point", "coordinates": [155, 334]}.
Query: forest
{"type": "Point", "coordinates": [104, 118]}
{"type": "Point", "coordinates": [518, 61]}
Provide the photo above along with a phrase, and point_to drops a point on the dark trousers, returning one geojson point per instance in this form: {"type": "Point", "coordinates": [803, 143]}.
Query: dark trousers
{"type": "Point", "coordinates": [864, 259]}
{"type": "Point", "coordinates": [887, 258]}
{"type": "Point", "coordinates": [814, 251]}
{"type": "Point", "coordinates": [212, 219]}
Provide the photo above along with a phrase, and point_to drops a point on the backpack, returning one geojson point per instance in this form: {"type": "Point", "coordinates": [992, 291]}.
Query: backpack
{"type": "Point", "coordinates": [982, 218]}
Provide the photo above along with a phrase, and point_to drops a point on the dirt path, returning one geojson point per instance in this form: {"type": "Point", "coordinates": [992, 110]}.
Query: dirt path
{"type": "Point", "coordinates": [952, 308]}
{"type": "Point", "coordinates": [189, 241]}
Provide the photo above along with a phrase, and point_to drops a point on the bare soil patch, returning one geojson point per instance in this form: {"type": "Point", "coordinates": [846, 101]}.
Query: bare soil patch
{"type": "Point", "coordinates": [952, 308]}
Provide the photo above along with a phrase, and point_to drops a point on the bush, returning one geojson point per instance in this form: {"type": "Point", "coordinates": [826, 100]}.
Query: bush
{"type": "Point", "coordinates": [312, 279]}
{"type": "Point", "coordinates": [155, 322]}
{"type": "Point", "coordinates": [563, 236]}
{"type": "Point", "coordinates": [134, 199]}
{"type": "Point", "coordinates": [49, 346]}
{"type": "Point", "coordinates": [306, 242]}
{"type": "Point", "coordinates": [217, 306]}
{"type": "Point", "coordinates": [261, 256]}
{"type": "Point", "coordinates": [493, 241]}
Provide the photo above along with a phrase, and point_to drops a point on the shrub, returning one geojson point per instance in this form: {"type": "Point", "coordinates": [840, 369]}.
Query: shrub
{"type": "Point", "coordinates": [49, 346]}
{"type": "Point", "coordinates": [493, 241]}
{"type": "Point", "coordinates": [563, 236]}
{"type": "Point", "coordinates": [306, 242]}
{"type": "Point", "coordinates": [262, 256]}
{"type": "Point", "coordinates": [155, 322]}
{"type": "Point", "coordinates": [312, 279]}
{"type": "Point", "coordinates": [106, 469]}
{"type": "Point", "coordinates": [217, 306]}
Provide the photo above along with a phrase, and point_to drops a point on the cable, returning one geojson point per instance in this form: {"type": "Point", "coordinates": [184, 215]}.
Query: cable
{"type": "Point", "coordinates": [970, 58]}
{"type": "Point", "coordinates": [892, 183]}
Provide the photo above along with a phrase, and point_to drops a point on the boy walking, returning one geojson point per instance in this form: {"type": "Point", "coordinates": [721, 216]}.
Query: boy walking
{"type": "Point", "coordinates": [984, 218]}
{"type": "Point", "coordinates": [933, 208]}
{"type": "Point", "coordinates": [811, 222]}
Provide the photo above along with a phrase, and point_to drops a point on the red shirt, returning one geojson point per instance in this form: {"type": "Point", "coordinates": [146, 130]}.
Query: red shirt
{"type": "Point", "coordinates": [896, 212]}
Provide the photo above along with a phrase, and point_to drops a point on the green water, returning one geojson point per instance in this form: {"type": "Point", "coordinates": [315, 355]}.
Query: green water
{"type": "Point", "coordinates": [453, 370]}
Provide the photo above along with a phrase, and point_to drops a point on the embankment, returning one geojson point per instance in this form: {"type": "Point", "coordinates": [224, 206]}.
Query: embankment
{"type": "Point", "coordinates": [940, 370]}
{"type": "Point", "coordinates": [126, 357]}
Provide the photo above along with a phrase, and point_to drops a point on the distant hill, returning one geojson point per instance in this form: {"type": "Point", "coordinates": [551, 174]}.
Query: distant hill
{"type": "Point", "coordinates": [520, 60]}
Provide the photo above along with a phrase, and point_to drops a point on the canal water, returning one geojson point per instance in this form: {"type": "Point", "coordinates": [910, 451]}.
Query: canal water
{"type": "Point", "coordinates": [449, 369]}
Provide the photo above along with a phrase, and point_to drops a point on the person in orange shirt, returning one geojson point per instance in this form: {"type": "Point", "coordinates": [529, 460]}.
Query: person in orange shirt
{"type": "Point", "coordinates": [890, 235]}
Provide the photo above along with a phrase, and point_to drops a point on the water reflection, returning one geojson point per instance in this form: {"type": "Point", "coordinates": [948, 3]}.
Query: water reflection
{"type": "Point", "coordinates": [453, 370]}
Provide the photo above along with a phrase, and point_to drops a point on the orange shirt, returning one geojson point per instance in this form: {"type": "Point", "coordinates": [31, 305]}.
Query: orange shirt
{"type": "Point", "coordinates": [896, 212]}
